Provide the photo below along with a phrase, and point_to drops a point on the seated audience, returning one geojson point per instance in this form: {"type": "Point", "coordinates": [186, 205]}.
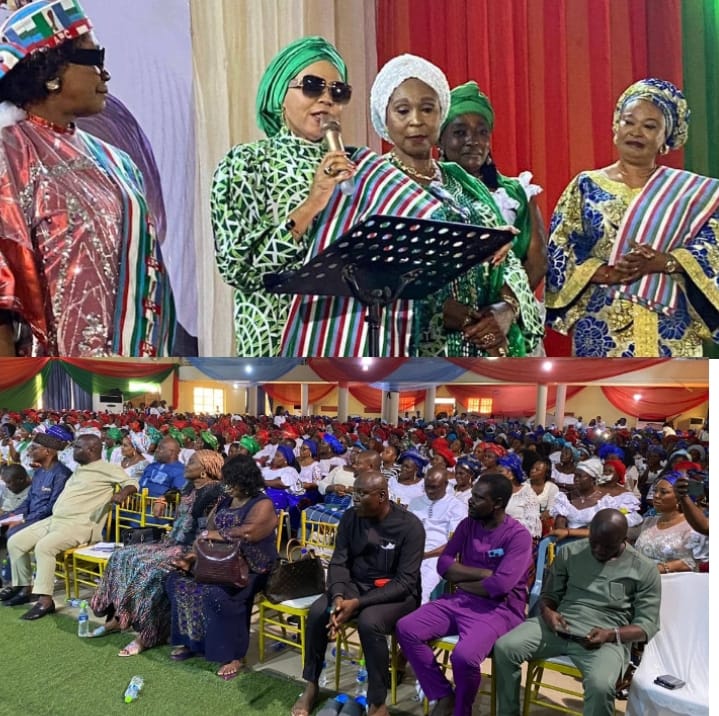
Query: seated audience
{"type": "Point", "coordinates": [668, 539]}
{"type": "Point", "coordinates": [603, 593]}
{"type": "Point", "coordinates": [77, 518]}
{"type": "Point", "coordinates": [440, 512]}
{"type": "Point", "coordinates": [132, 590]}
{"type": "Point", "coordinates": [486, 560]}
{"type": "Point", "coordinates": [523, 505]}
{"type": "Point", "coordinates": [373, 578]}
{"type": "Point", "coordinates": [166, 472]}
{"type": "Point", "coordinates": [466, 472]}
{"type": "Point", "coordinates": [409, 483]}
{"type": "Point", "coordinates": [214, 620]}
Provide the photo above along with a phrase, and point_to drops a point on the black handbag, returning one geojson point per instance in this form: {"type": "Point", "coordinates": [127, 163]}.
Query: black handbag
{"type": "Point", "coordinates": [300, 575]}
{"type": "Point", "coordinates": [141, 535]}
{"type": "Point", "coordinates": [220, 563]}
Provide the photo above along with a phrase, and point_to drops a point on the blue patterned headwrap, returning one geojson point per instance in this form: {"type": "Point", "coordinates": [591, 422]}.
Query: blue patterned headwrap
{"type": "Point", "coordinates": [470, 463]}
{"type": "Point", "coordinates": [287, 452]}
{"type": "Point", "coordinates": [668, 99]}
{"type": "Point", "coordinates": [312, 445]}
{"type": "Point", "coordinates": [416, 458]}
{"type": "Point", "coordinates": [610, 449]}
{"type": "Point", "coordinates": [513, 463]}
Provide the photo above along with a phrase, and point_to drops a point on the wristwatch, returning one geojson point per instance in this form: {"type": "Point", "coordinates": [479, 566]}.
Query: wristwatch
{"type": "Point", "coordinates": [671, 265]}
{"type": "Point", "coordinates": [618, 636]}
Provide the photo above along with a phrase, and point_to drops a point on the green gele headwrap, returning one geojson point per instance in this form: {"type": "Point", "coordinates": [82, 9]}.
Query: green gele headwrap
{"type": "Point", "coordinates": [468, 99]}
{"type": "Point", "coordinates": [285, 66]}
{"type": "Point", "coordinates": [153, 434]}
{"type": "Point", "coordinates": [114, 434]}
{"type": "Point", "coordinates": [250, 444]}
{"type": "Point", "coordinates": [209, 439]}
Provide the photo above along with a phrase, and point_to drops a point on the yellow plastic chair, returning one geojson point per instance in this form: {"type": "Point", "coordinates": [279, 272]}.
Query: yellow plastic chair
{"type": "Point", "coordinates": [64, 561]}
{"type": "Point", "coordinates": [349, 649]}
{"type": "Point", "coordinates": [131, 513]}
{"type": "Point", "coordinates": [273, 620]}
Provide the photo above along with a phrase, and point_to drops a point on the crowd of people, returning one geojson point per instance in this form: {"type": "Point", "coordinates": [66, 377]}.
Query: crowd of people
{"type": "Point", "coordinates": [477, 489]}
{"type": "Point", "coordinates": [619, 279]}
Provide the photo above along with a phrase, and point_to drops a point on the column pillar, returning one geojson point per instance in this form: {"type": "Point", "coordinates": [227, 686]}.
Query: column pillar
{"type": "Point", "coordinates": [541, 405]}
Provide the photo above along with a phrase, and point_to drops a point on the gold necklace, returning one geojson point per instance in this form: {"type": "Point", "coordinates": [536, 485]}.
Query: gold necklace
{"type": "Point", "coordinates": [412, 171]}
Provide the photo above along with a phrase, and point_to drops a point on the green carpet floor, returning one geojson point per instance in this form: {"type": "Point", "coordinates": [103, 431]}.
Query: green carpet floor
{"type": "Point", "coordinates": [46, 670]}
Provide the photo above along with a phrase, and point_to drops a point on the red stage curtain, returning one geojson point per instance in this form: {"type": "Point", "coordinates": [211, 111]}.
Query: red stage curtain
{"type": "Point", "coordinates": [15, 371]}
{"type": "Point", "coordinates": [348, 370]}
{"type": "Point", "coordinates": [291, 393]}
{"type": "Point", "coordinates": [515, 400]}
{"type": "Point", "coordinates": [563, 370]}
{"type": "Point", "coordinates": [371, 398]}
{"type": "Point", "coordinates": [655, 403]}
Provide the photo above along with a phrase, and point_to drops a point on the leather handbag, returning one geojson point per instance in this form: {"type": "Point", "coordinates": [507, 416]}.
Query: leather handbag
{"type": "Point", "coordinates": [220, 563]}
{"type": "Point", "coordinates": [141, 535]}
{"type": "Point", "coordinates": [300, 575]}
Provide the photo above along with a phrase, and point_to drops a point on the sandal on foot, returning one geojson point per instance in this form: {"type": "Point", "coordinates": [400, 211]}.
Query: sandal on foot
{"type": "Point", "coordinates": [229, 675]}
{"type": "Point", "coordinates": [132, 649]}
{"type": "Point", "coordinates": [181, 653]}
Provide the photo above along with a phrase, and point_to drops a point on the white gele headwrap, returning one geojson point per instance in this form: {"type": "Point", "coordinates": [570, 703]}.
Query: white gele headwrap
{"type": "Point", "coordinates": [392, 75]}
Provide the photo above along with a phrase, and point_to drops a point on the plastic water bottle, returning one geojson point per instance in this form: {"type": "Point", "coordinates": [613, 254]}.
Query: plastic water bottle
{"type": "Point", "coordinates": [361, 680]}
{"type": "Point", "coordinates": [133, 689]}
{"type": "Point", "coordinates": [324, 677]}
{"type": "Point", "coordinates": [83, 620]}
{"type": "Point", "coordinates": [333, 706]}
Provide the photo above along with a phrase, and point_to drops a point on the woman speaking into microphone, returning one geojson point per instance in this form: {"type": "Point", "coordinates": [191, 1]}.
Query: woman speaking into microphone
{"type": "Point", "coordinates": [278, 202]}
{"type": "Point", "coordinates": [266, 194]}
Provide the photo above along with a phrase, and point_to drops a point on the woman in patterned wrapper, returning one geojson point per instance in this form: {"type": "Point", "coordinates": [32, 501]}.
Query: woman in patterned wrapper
{"type": "Point", "coordinates": [491, 310]}
{"type": "Point", "coordinates": [632, 251]}
{"type": "Point", "coordinates": [75, 231]}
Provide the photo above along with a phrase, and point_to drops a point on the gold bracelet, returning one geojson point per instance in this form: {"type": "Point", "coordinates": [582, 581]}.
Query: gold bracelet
{"type": "Point", "coordinates": [671, 265]}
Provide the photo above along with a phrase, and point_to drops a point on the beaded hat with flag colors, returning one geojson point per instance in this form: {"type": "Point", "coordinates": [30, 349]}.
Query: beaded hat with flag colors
{"type": "Point", "coordinates": [43, 24]}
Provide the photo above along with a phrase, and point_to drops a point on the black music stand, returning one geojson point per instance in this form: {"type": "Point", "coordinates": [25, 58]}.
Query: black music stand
{"type": "Point", "coordinates": [384, 258]}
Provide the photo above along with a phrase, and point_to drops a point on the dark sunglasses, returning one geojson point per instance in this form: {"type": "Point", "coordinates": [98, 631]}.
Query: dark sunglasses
{"type": "Point", "coordinates": [313, 86]}
{"type": "Point", "coordinates": [92, 57]}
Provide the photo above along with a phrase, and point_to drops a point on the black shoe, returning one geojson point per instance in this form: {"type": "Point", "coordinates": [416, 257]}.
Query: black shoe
{"type": "Point", "coordinates": [38, 611]}
{"type": "Point", "coordinates": [7, 592]}
{"type": "Point", "coordinates": [19, 598]}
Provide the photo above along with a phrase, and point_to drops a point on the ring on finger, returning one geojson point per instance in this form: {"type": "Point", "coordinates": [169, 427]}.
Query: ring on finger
{"type": "Point", "coordinates": [329, 170]}
{"type": "Point", "coordinates": [488, 339]}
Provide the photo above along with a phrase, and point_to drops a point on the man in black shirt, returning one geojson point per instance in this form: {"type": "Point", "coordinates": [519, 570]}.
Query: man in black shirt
{"type": "Point", "coordinates": [373, 578]}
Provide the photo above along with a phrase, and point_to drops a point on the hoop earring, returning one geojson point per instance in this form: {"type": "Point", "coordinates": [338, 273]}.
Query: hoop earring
{"type": "Point", "coordinates": [203, 474]}
{"type": "Point", "coordinates": [488, 160]}
{"type": "Point", "coordinates": [664, 149]}
{"type": "Point", "coordinates": [53, 85]}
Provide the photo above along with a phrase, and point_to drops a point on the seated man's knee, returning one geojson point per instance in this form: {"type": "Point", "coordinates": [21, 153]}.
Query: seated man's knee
{"type": "Point", "coordinates": [601, 681]}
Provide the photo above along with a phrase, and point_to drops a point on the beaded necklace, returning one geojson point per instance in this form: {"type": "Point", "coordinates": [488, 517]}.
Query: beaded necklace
{"type": "Point", "coordinates": [42, 122]}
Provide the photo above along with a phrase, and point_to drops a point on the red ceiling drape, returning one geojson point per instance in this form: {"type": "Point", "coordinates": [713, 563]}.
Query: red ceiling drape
{"type": "Point", "coordinates": [16, 371]}
{"type": "Point", "coordinates": [291, 393]}
{"type": "Point", "coordinates": [655, 403]}
{"type": "Point", "coordinates": [348, 370]}
{"type": "Point", "coordinates": [508, 399]}
{"type": "Point", "coordinates": [119, 368]}
{"type": "Point", "coordinates": [562, 370]}
{"type": "Point", "coordinates": [371, 398]}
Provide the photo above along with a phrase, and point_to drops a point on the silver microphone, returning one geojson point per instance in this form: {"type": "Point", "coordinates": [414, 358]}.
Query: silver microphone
{"type": "Point", "coordinates": [333, 139]}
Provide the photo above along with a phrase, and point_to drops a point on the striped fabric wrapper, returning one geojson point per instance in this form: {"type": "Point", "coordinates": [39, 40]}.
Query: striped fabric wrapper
{"type": "Point", "coordinates": [335, 326]}
{"type": "Point", "coordinates": [666, 214]}
{"type": "Point", "coordinates": [144, 310]}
